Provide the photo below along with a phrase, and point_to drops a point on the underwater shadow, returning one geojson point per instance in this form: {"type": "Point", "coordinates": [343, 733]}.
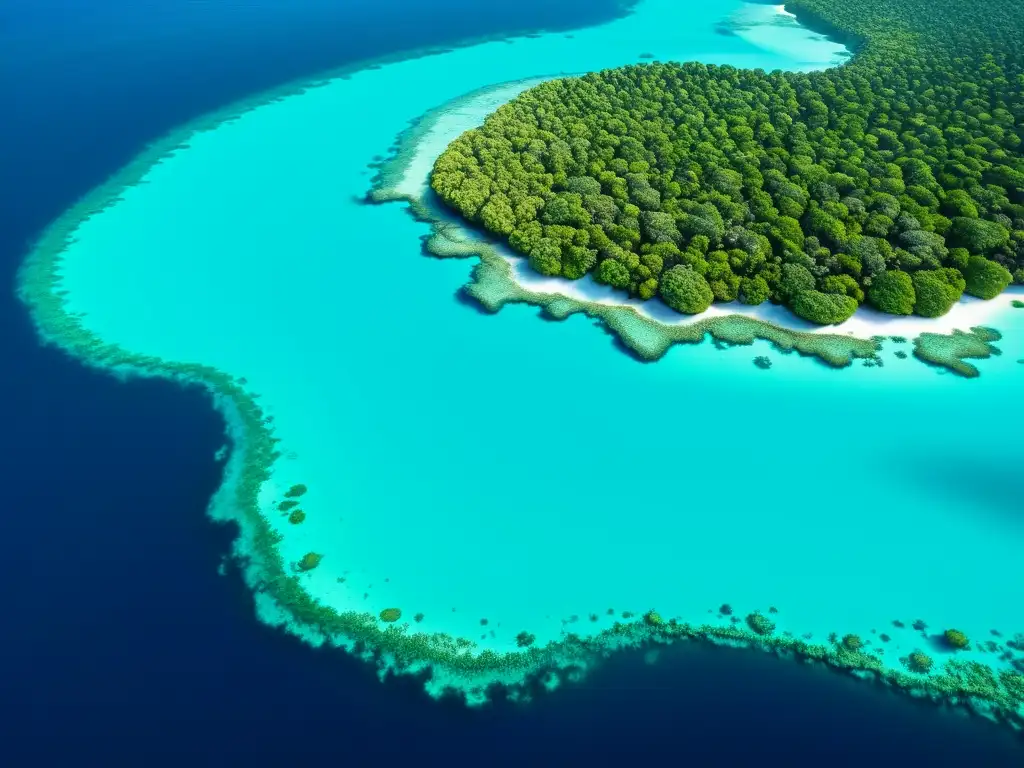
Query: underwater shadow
{"type": "Point", "coordinates": [984, 486]}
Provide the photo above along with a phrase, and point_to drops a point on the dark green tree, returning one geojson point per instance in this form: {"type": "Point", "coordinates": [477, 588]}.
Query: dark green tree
{"type": "Point", "coordinates": [613, 273]}
{"type": "Point", "coordinates": [824, 308]}
{"type": "Point", "coordinates": [893, 292]}
{"type": "Point", "coordinates": [985, 278]}
{"type": "Point", "coordinates": [685, 291]}
{"type": "Point", "coordinates": [754, 290]}
{"type": "Point", "coordinates": [937, 290]}
{"type": "Point", "coordinates": [977, 235]}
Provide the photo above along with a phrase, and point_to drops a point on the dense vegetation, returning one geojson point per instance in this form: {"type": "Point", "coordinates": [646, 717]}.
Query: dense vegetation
{"type": "Point", "coordinates": [897, 179]}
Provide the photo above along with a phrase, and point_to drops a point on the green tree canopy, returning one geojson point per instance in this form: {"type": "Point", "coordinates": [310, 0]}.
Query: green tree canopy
{"type": "Point", "coordinates": [824, 308]}
{"type": "Point", "coordinates": [937, 290]}
{"type": "Point", "coordinates": [868, 180]}
{"type": "Point", "coordinates": [985, 279]}
{"type": "Point", "coordinates": [685, 291]}
{"type": "Point", "coordinates": [893, 292]}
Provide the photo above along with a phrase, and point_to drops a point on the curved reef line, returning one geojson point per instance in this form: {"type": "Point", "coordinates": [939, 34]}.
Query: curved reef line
{"type": "Point", "coordinates": [279, 592]}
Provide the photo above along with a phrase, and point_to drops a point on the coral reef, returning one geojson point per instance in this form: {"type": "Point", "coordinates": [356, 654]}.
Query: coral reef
{"type": "Point", "coordinates": [309, 561]}
{"type": "Point", "coordinates": [296, 517]}
{"type": "Point", "coordinates": [919, 662]}
{"type": "Point", "coordinates": [760, 624]}
{"type": "Point", "coordinates": [953, 351]}
{"type": "Point", "coordinates": [525, 639]}
{"type": "Point", "coordinates": [955, 639]}
{"type": "Point", "coordinates": [295, 491]}
{"type": "Point", "coordinates": [390, 614]}
{"type": "Point", "coordinates": [852, 643]}
{"type": "Point", "coordinates": [493, 286]}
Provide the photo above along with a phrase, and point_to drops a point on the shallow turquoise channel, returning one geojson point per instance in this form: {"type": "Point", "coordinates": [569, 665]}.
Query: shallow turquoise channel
{"type": "Point", "coordinates": [502, 467]}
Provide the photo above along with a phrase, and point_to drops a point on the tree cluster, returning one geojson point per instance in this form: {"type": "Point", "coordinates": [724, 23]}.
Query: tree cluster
{"type": "Point", "coordinates": [895, 180]}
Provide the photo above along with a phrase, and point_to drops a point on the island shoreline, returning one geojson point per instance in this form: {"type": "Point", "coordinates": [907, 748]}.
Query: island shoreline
{"type": "Point", "coordinates": [649, 329]}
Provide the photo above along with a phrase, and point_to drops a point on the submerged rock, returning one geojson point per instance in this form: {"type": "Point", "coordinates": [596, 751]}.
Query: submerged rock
{"type": "Point", "coordinates": [309, 561]}
{"type": "Point", "coordinates": [390, 614]}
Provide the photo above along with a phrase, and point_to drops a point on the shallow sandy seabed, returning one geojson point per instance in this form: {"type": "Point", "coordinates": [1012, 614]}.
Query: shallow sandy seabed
{"type": "Point", "coordinates": [260, 378]}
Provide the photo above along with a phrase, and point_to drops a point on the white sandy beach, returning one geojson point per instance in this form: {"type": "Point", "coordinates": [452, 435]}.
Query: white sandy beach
{"type": "Point", "coordinates": [446, 125]}
{"type": "Point", "coordinates": [968, 313]}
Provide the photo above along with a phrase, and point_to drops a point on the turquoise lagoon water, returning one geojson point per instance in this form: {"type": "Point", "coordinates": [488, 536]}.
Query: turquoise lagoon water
{"type": "Point", "coordinates": [501, 467]}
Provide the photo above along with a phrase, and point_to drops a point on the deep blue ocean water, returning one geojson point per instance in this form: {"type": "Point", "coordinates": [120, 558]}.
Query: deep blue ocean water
{"type": "Point", "coordinates": [122, 645]}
